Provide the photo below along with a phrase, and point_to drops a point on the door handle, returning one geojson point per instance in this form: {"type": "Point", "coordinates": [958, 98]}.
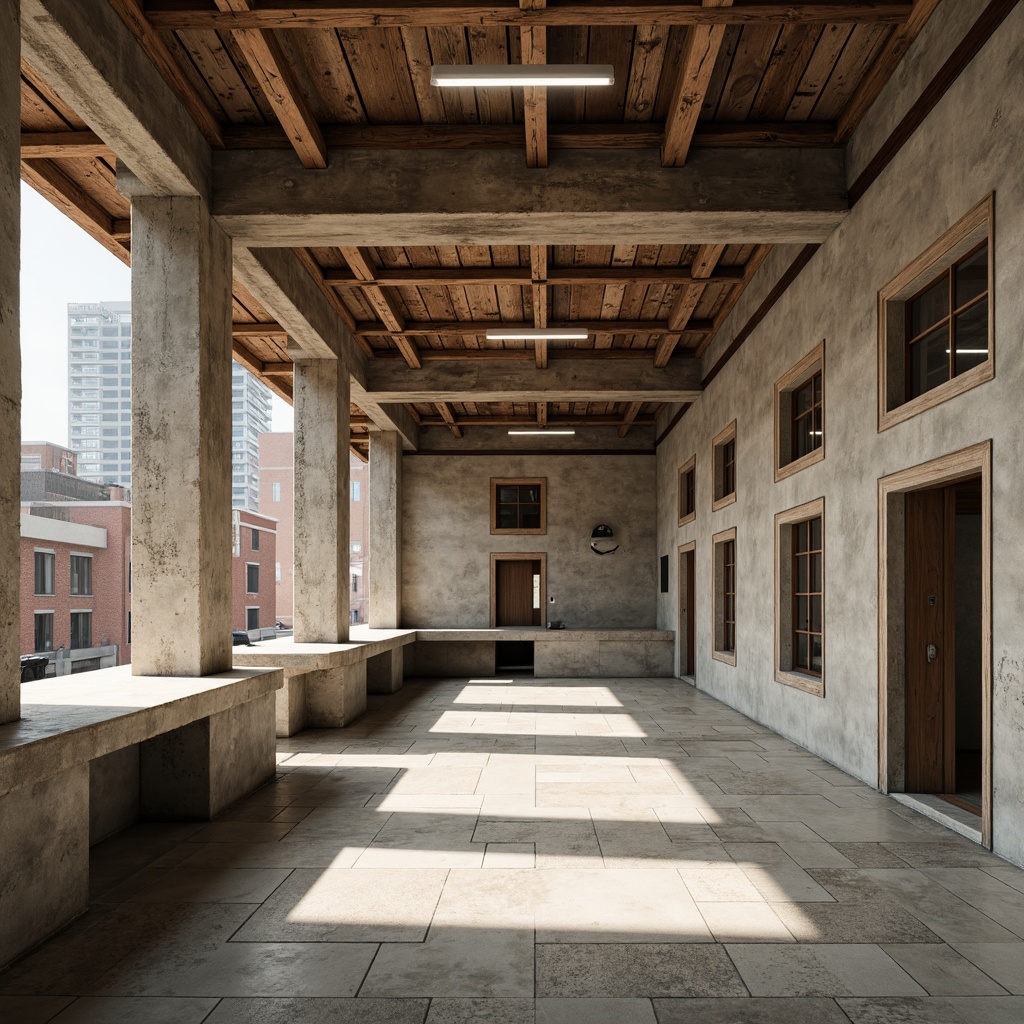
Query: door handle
{"type": "Point", "coordinates": [932, 652]}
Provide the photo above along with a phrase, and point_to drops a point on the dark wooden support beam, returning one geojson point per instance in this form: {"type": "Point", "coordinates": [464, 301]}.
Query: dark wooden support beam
{"type": "Point", "coordinates": [258, 330]}
{"type": "Point", "coordinates": [679, 316]}
{"type": "Point", "coordinates": [631, 414]}
{"type": "Point", "coordinates": [534, 42]}
{"type": "Point", "coordinates": [456, 328]}
{"type": "Point", "coordinates": [539, 276]}
{"type": "Point", "coordinates": [449, 418]}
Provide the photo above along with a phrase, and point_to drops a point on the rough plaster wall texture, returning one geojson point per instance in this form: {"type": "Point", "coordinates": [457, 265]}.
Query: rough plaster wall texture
{"type": "Point", "coordinates": [181, 439]}
{"type": "Point", "coordinates": [10, 358]}
{"type": "Point", "coordinates": [917, 198]}
{"type": "Point", "coordinates": [447, 541]}
{"type": "Point", "coordinates": [321, 539]}
{"type": "Point", "coordinates": [385, 529]}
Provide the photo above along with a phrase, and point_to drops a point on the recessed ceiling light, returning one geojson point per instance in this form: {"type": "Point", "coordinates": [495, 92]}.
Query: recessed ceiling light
{"type": "Point", "coordinates": [483, 76]}
{"type": "Point", "coordinates": [549, 433]}
{"type": "Point", "coordinates": [537, 334]}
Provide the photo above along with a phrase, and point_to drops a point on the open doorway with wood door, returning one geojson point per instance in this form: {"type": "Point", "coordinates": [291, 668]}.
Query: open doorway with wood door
{"type": "Point", "coordinates": [687, 599]}
{"type": "Point", "coordinates": [936, 667]}
{"type": "Point", "coordinates": [518, 590]}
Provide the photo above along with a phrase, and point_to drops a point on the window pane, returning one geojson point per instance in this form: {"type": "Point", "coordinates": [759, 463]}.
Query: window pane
{"type": "Point", "coordinates": [802, 399]}
{"type": "Point", "coordinates": [508, 494]}
{"type": "Point", "coordinates": [801, 537]}
{"type": "Point", "coordinates": [816, 654]}
{"type": "Point", "coordinates": [815, 534]}
{"type": "Point", "coordinates": [801, 575]}
{"type": "Point", "coordinates": [972, 277]}
{"type": "Point", "coordinates": [801, 650]}
{"type": "Point", "coordinates": [816, 573]}
{"type": "Point", "coordinates": [529, 518]}
{"type": "Point", "coordinates": [929, 362]}
{"type": "Point", "coordinates": [815, 614]}
{"type": "Point", "coordinates": [507, 517]}
{"type": "Point", "coordinates": [802, 616]}
{"type": "Point", "coordinates": [930, 308]}
{"type": "Point", "coordinates": [529, 494]}
{"type": "Point", "coordinates": [972, 337]}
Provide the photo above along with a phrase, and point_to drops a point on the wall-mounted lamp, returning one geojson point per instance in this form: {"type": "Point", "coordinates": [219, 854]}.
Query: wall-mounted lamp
{"type": "Point", "coordinates": [600, 538]}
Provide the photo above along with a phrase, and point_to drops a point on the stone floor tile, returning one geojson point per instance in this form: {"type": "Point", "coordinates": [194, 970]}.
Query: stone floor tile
{"type": "Point", "coordinates": [32, 1009]}
{"type": "Point", "coordinates": [509, 855]}
{"type": "Point", "coordinates": [749, 1011]}
{"type": "Point", "coordinates": [456, 961]}
{"type": "Point", "coordinates": [937, 1010]}
{"type": "Point", "coordinates": [288, 853]}
{"type": "Point", "coordinates": [1001, 961]}
{"type": "Point", "coordinates": [319, 1011]}
{"type": "Point", "coordinates": [821, 970]}
{"type": "Point", "coordinates": [347, 906]}
{"type": "Point", "coordinates": [852, 922]}
{"type": "Point", "coordinates": [212, 885]}
{"type": "Point", "coordinates": [242, 832]}
{"type": "Point", "coordinates": [745, 922]}
{"type": "Point", "coordinates": [595, 1011]}
{"type": "Point", "coordinates": [953, 852]}
{"type": "Point", "coordinates": [989, 1009]}
{"type": "Point", "coordinates": [992, 897]}
{"type": "Point", "coordinates": [816, 854]}
{"type": "Point", "coordinates": [942, 971]}
{"type": "Point", "coordinates": [286, 969]}
{"type": "Point", "coordinates": [481, 1011]}
{"type": "Point", "coordinates": [623, 971]}
{"type": "Point", "coordinates": [870, 855]}
{"type": "Point", "coordinates": [725, 882]}
{"type": "Point", "coordinates": [113, 1010]}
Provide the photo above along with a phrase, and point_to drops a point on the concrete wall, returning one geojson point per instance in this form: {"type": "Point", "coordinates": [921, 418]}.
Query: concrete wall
{"type": "Point", "coordinates": [969, 146]}
{"type": "Point", "coordinates": [446, 543]}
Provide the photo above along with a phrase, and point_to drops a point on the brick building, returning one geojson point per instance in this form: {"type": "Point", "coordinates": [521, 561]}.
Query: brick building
{"type": "Point", "coordinates": [277, 499]}
{"type": "Point", "coordinates": [359, 539]}
{"type": "Point", "coordinates": [75, 565]}
{"type": "Point", "coordinates": [253, 562]}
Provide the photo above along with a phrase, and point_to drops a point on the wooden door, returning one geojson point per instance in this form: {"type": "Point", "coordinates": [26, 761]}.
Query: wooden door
{"type": "Point", "coordinates": [513, 592]}
{"type": "Point", "coordinates": [686, 611]}
{"type": "Point", "coordinates": [930, 737]}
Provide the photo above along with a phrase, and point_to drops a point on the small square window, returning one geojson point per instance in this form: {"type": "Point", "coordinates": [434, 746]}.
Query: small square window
{"type": "Point", "coordinates": [800, 415]}
{"type": "Point", "coordinates": [252, 578]}
{"type": "Point", "coordinates": [800, 597]}
{"type": "Point", "coordinates": [519, 506]}
{"type": "Point", "coordinates": [724, 631]}
{"type": "Point", "coordinates": [935, 337]}
{"type": "Point", "coordinates": [723, 450]}
{"type": "Point", "coordinates": [687, 491]}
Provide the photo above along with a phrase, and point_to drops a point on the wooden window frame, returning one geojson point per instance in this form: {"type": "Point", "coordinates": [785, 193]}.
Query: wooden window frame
{"type": "Point", "coordinates": [721, 439]}
{"type": "Point", "coordinates": [719, 549]}
{"type": "Point", "coordinates": [541, 482]}
{"type": "Point", "coordinates": [975, 228]}
{"type": "Point", "coordinates": [684, 487]}
{"type": "Point", "coordinates": [519, 556]}
{"type": "Point", "coordinates": [785, 672]}
{"type": "Point", "coordinates": [786, 387]}
{"type": "Point", "coordinates": [975, 461]}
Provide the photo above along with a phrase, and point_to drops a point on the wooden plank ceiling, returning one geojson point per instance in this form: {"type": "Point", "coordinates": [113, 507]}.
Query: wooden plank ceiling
{"type": "Point", "coordinates": [311, 76]}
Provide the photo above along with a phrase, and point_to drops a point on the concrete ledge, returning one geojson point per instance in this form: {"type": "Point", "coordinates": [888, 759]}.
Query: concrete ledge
{"type": "Point", "coordinates": [541, 635]}
{"type": "Point", "coordinates": [75, 719]}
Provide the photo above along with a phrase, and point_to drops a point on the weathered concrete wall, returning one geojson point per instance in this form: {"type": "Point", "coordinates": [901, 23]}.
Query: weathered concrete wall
{"type": "Point", "coordinates": [447, 541]}
{"type": "Point", "coordinates": [113, 792]}
{"type": "Point", "coordinates": [10, 357]}
{"type": "Point", "coordinates": [968, 146]}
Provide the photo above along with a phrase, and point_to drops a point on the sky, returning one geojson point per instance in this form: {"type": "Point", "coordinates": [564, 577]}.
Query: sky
{"type": "Point", "coordinates": [60, 263]}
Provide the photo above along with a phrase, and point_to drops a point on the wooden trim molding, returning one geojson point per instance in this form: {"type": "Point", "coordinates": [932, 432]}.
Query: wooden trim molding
{"type": "Point", "coordinates": [718, 442]}
{"type": "Point", "coordinates": [784, 672]}
{"type": "Point", "coordinates": [792, 380]}
{"type": "Point", "coordinates": [717, 542]}
{"type": "Point", "coordinates": [689, 466]}
{"type": "Point", "coordinates": [519, 556]}
{"type": "Point", "coordinates": [947, 469]}
{"type": "Point", "coordinates": [975, 227]}
{"type": "Point", "coordinates": [541, 482]}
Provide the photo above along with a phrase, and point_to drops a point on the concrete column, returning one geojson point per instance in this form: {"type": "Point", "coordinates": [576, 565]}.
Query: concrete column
{"type": "Point", "coordinates": [322, 576]}
{"type": "Point", "coordinates": [10, 359]}
{"type": "Point", "coordinates": [181, 439]}
{"type": "Point", "coordinates": [385, 529]}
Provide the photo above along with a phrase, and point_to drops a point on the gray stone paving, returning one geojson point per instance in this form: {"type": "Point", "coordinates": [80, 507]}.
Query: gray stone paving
{"type": "Point", "coordinates": [532, 852]}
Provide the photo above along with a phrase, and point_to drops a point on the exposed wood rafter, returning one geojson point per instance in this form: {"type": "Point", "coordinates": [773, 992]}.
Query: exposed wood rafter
{"type": "Point", "coordinates": [535, 98]}
{"type": "Point", "coordinates": [679, 316]}
{"type": "Point", "coordinates": [449, 418]}
{"type": "Point", "coordinates": [631, 414]}
{"type": "Point", "coordinates": [457, 329]}
{"type": "Point", "coordinates": [539, 278]}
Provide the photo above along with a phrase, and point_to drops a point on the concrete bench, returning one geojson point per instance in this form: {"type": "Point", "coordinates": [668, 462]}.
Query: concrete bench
{"type": "Point", "coordinates": [325, 685]}
{"type": "Point", "coordinates": [95, 752]}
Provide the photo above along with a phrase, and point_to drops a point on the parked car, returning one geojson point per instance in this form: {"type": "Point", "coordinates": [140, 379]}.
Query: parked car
{"type": "Point", "coordinates": [240, 638]}
{"type": "Point", "coordinates": [33, 666]}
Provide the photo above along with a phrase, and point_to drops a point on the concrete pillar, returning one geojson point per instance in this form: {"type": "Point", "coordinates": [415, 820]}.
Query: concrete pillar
{"type": "Point", "coordinates": [10, 359]}
{"type": "Point", "coordinates": [181, 439]}
{"type": "Point", "coordinates": [385, 529]}
{"type": "Point", "coordinates": [321, 556]}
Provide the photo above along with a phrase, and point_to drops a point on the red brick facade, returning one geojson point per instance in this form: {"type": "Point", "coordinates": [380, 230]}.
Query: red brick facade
{"type": "Point", "coordinates": [277, 499]}
{"type": "Point", "coordinates": [245, 526]}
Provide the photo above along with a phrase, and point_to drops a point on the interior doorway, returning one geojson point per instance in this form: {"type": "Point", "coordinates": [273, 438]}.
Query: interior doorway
{"type": "Point", "coordinates": [935, 617]}
{"type": "Point", "coordinates": [518, 589]}
{"type": "Point", "coordinates": [686, 631]}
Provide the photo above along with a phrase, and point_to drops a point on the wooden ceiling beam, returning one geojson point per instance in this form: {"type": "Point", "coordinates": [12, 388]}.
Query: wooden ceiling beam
{"type": "Point", "coordinates": [534, 45]}
{"type": "Point", "coordinates": [75, 145]}
{"type": "Point", "coordinates": [539, 278]}
{"type": "Point", "coordinates": [432, 355]}
{"type": "Point", "coordinates": [703, 43]}
{"type": "Point", "coordinates": [409, 277]}
{"type": "Point", "coordinates": [682, 310]}
{"type": "Point", "coordinates": [259, 330]}
{"type": "Point", "coordinates": [630, 418]}
{"type": "Point", "coordinates": [273, 72]}
{"type": "Point", "coordinates": [456, 328]}
{"type": "Point", "coordinates": [281, 14]}
{"type": "Point", "coordinates": [626, 135]}
{"type": "Point", "coordinates": [361, 264]}
{"type": "Point", "coordinates": [449, 418]}
{"type": "Point", "coordinates": [528, 421]}
{"type": "Point", "coordinates": [542, 414]}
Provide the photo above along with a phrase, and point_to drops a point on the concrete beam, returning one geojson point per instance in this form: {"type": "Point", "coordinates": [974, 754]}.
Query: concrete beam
{"type": "Point", "coordinates": [387, 416]}
{"type": "Point", "coordinates": [575, 380]}
{"type": "Point", "coordinates": [438, 197]}
{"type": "Point", "coordinates": [10, 358]}
{"type": "Point", "coordinates": [94, 63]}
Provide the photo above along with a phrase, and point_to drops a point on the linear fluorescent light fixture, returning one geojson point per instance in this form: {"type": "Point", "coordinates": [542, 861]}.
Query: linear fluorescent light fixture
{"type": "Point", "coordinates": [537, 334]}
{"type": "Point", "coordinates": [483, 76]}
{"type": "Point", "coordinates": [548, 433]}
